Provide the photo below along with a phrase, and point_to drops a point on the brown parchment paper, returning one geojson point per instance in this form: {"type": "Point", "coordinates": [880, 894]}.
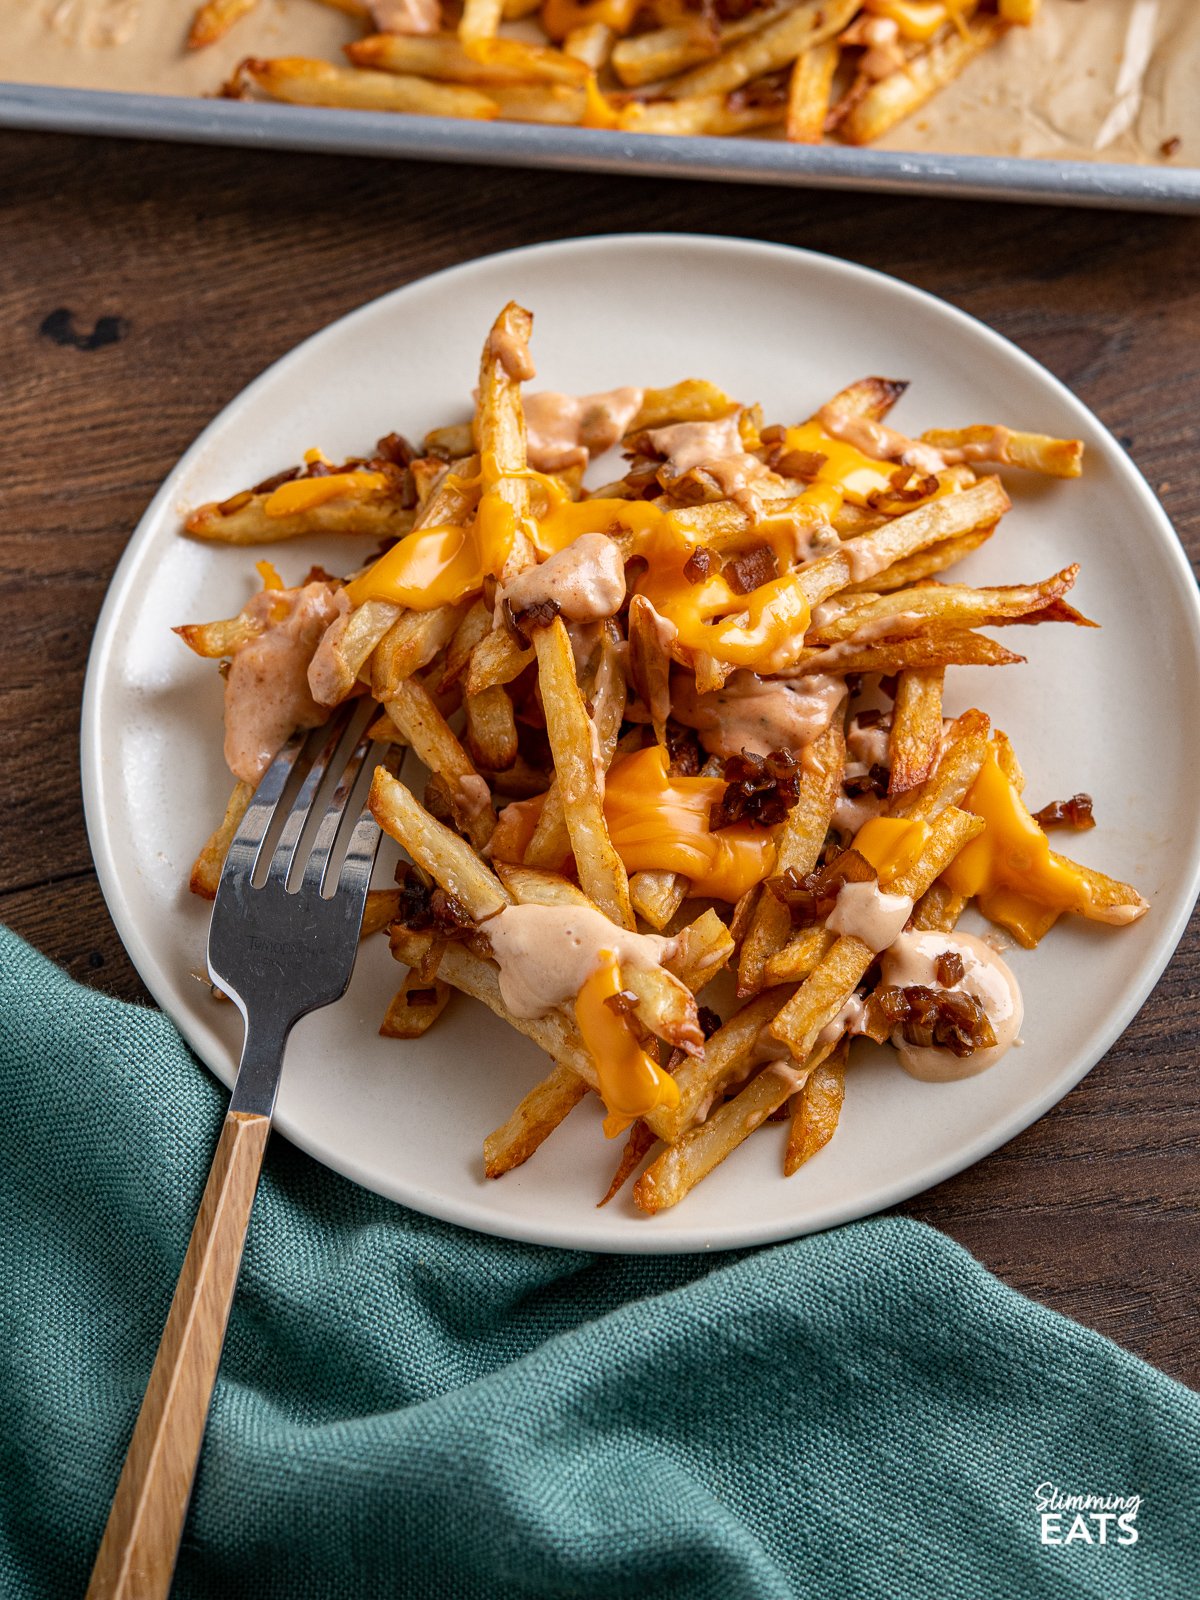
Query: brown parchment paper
{"type": "Point", "coordinates": [1092, 80]}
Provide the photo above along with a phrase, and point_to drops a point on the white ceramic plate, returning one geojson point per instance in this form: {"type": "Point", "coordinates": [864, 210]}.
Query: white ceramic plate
{"type": "Point", "coordinates": [1106, 712]}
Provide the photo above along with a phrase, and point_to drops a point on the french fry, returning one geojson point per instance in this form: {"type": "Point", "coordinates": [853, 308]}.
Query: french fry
{"type": "Point", "coordinates": [714, 114]}
{"type": "Point", "coordinates": [771, 47]}
{"type": "Point", "coordinates": [901, 93]}
{"type": "Point", "coordinates": [304, 82]}
{"type": "Point", "coordinates": [533, 1121]}
{"type": "Point", "coordinates": [649, 663]}
{"type": "Point", "coordinates": [480, 21]}
{"type": "Point", "coordinates": [590, 45]}
{"type": "Point", "coordinates": [808, 93]}
{"type": "Point", "coordinates": [937, 648]}
{"type": "Point", "coordinates": [422, 727]}
{"type": "Point", "coordinates": [410, 644]}
{"type": "Point", "coordinates": [345, 648]}
{"type": "Point", "coordinates": [449, 860]}
{"type": "Point", "coordinates": [497, 658]}
{"type": "Point", "coordinates": [500, 429]}
{"type": "Point", "coordinates": [797, 958]}
{"type": "Point", "coordinates": [414, 1008]}
{"type": "Point", "coordinates": [491, 728]}
{"type": "Point", "coordinates": [215, 640]}
{"type": "Point", "coordinates": [1008, 447]}
{"type": "Point", "coordinates": [955, 605]}
{"type": "Point", "coordinates": [872, 398]}
{"type": "Point", "coordinates": [925, 564]}
{"type": "Point", "coordinates": [214, 19]}
{"type": "Point", "coordinates": [728, 1055]}
{"type": "Point", "coordinates": [601, 870]}
{"type": "Point", "coordinates": [693, 400]}
{"type": "Point", "coordinates": [915, 740]}
{"type": "Point", "coordinates": [938, 909]}
{"type": "Point", "coordinates": [640, 1141]}
{"type": "Point", "coordinates": [657, 896]}
{"type": "Point", "coordinates": [800, 841]}
{"type": "Point", "coordinates": [446, 59]}
{"type": "Point", "coordinates": [965, 745]}
{"type": "Point", "coordinates": [206, 872]}
{"type": "Point", "coordinates": [242, 519]}
{"type": "Point", "coordinates": [382, 908]}
{"type": "Point", "coordinates": [475, 625]}
{"type": "Point", "coordinates": [834, 979]}
{"type": "Point", "coordinates": [557, 103]}
{"type": "Point", "coordinates": [696, 1153]}
{"type": "Point", "coordinates": [817, 1111]}
{"type": "Point", "coordinates": [650, 57]}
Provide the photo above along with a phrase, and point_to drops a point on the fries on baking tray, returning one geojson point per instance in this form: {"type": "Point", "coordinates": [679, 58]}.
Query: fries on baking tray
{"type": "Point", "coordinates": [801, 68]}
{"type": "Point", "coordinates": [686, 724]}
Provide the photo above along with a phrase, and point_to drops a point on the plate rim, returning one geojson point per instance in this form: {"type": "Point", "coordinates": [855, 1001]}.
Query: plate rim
{"type": "Point", "coordinates": [473, 1214]}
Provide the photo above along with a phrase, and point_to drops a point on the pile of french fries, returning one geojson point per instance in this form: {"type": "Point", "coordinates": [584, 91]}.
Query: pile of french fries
{"type": "Point", "coordinates": [523, 726]}
{"type": "Point", "coordinates": [850, 69]}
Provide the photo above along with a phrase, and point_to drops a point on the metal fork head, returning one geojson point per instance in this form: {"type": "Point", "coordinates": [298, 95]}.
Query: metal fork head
{"type": "Point", "coordinates": [281, 952]}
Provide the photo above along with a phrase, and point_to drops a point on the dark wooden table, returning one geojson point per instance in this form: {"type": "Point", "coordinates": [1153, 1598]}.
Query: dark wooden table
{"type": "Point", "coordinates": [142, 286]}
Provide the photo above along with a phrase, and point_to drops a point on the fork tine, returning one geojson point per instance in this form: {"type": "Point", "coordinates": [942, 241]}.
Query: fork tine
{"type": "Point", "coordinates": [293, 827]}
{"type": "Point", "coordinates": [318, 861]}
{"type": "Point", "coordinates": [355, 875]}
{"type": "Point", "coordinates": [242, 855]}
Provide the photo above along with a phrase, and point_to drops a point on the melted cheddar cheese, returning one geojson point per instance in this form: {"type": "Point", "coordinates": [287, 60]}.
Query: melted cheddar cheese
{"type": "Point", "coordinates": [659, 823]}
{"type": "Point", "coordinates": [892, 845]}
{"type": "Point", "coordinates": [1009, 868]}
{"type": "Point", "coordinates": [630, 1083]}
{"type": "Point", "coordinates": [301, 494]}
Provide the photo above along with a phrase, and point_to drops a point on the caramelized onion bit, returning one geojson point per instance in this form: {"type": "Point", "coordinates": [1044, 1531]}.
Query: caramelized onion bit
{"type": "Point", "coordinates": [394, 447]}
{"type": "Point", "coordinates": [709, 1021]}
{"type": "Point", "coordinates": [760, 790]}
{"type": "Point", "coordinates": [426, 907]}
{"type": "Point", "coordinates": [875, 782]}
{"type": "Point", "coordinates": [906, 484]}
{"type": "Point", "coordinates": [1073, 813]}
{"type": "Point", "coordinates": [699, 564]}
{"type": "Point", "coordinates": [801, 464]}
{"type": "Point", "coordinates": [624, 1002]}
{"type": "Point", "coordinates": [812, 897]}
{"type": "Point", "coordinates": [422, 997]}
{"type": "Point", "coordinates": [539, 615]}
{"type": "Point", "coordinates": [683, 749]}
{"type": "Point", "coordinates": [940, 1019]}
{"type": "Point", "coordinates": [949, 968]}
{"type": "Point", "coordinates": [752, 569]}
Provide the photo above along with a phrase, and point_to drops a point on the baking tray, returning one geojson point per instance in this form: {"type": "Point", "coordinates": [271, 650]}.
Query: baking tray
{"type": "Point", "coordinates": [368, 133]}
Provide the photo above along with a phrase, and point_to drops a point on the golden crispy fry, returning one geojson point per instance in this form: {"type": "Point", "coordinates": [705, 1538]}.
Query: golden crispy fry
{"type": "Point", "coordinates": [797, 958]}
{"type": "Point", "coordinates": [591, 45]}
{"type": "Point", "coordinates": [556, 103]}
{"type": "Point", "coordinates": [491, 728]}
{"type": "Point", "coordinates": [964, 749]}
{"type": "Point", "coordinates": [872, 398]}
{"type": "Point", "coordinates": [214, 640]}
{"type": "Point", "coordinates": [895, 97]}
{"type": "Point", "coordinates": [640, 1142]}
{"type": "Point", "coordinates": [445, 59]}
{"type": "Point", "coordinates": [214, 19]}
{"type": "Point", "coordinates": [303, 82]}
{"type": "Point", "coordinates": [533, 1121]}
{"type": "Point", "coordinates": [475, 625]}
{"type": "Point", "coordinates": [715, 114]}
{"type": "Point", "coordinates": [935, 648]}
{"type": "Point", "coordinates": [773, 46]}
{"type": "Point", "coordinates": [836, 976]}
{"type": "Point", "coordinates": [382, 908]}
{"type": "Point", "coordinates": [872, 553]}
{"type": "Point", "coordinates": [808, 93]}
{"type": "Point", "coordinates": [925, 563]}
{"type": "Point", "coordinates": [817, 1110]}
{"type": "Point", "coordinates": [571, 732]}
{"type": "Point", "coordinates": [414, 1008]}
{"type": "Point", "coordinates": [800, 842]}
{"type": "Point", "coordinates": [915, 741]}
{"type": "Point", "coordinates": [693, 400]}
{"type": "Point", "coordinates": [954, 604]}
{"type": "Point", "coordinates": [345, 649]}
{"type": "Point", "coordinates": [500, 429]}
{"type": "Point", "coordinates": [242, 519]}
{"type": "Point", "coordinates": [444, 856]}
{"type": "Point", "coordinates": [412, 642]}
{"type": "Point", "coordinates": [728, 1055]}
{"type": "Point", "coordinates": [695, 1154]}
{"type": "Point", "coordinates": [649, 663]}
{"type": "Point", "coordinates": [497, 658]}
{"type": "Point", "coordinates": [425, 730]}
{"type": "Point", "coordinates": [480, 20]}
{"type": "Point", "coordinates": [657, 896]}
{"type": "Point", "coordinates": [650, 57]}
{"type": "Point", "coordinates": [206, 873]}
{"type": "Point", "coordinates": [938, 909]}
{"type": "Point", "coordinates": [1035, 452]}
{"type": "Point", "coordinates": [703, 948]}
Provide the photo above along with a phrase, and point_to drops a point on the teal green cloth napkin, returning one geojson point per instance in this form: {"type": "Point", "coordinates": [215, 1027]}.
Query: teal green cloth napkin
{"type": "Point", "coordinates": [406, 1409]}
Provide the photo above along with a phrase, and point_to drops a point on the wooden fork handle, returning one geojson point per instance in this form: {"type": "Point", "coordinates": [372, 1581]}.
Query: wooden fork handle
{"type": "Point", "coordinates": [141, 1540]}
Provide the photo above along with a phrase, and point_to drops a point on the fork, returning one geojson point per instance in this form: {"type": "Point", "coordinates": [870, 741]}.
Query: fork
{"type": "Point", "coordinates": [279, 953]}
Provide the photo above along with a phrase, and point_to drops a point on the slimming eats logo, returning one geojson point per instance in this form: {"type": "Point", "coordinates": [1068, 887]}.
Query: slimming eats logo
{"type": "Point", "coordinates": [1086, 1518]}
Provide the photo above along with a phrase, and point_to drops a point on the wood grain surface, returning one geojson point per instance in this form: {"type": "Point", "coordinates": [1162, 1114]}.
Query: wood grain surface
{"type": "Point", "coordinates": [142, 286]}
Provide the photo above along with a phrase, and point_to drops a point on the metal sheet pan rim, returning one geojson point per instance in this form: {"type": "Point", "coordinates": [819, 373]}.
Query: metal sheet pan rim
{"type": "Point", "coordinates": [367, 133]}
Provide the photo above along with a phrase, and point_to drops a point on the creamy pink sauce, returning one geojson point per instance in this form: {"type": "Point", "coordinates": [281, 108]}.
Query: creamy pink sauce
{"type": "Point", "coordinates": [792, 1074]}
{"type": "Point", "coordinates": [512, 353]}
{"type": "Point", "coordinates": [867, 746]}
{"type": "Point", "coordinates": [851, 811]}
{"type": "Point", "coordinates": [865, 559]}
{"type": "Point", "coordinates": [869, 913]}
{"type": "Point", "coordinates": [567, 430]}
{"type": "Point", "coordinates": [717, 448]}
{"type": "Point", "coordinates": [874, 439]}
{"type": "Point", "coordinates": [474, 796]}
{"type": "Point", "coordinates": [267, 695]}
{"type": "Point", "coordinates": [586, 578]}
{"type": "Point", "coordinates": [993, 448]}
{"type": "Point", "coordinates": [406, 16]}
{"type": "Point", "coordinates": [912, 959]}
{"type": "Point", "coordinates": [547, 953]}
{"type": "Point", "coordinates": [758, 714]}
{"type": "Point", "coordinates": [852, 1019]}
{"type": "Point", "coordinates": [884, 54]}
